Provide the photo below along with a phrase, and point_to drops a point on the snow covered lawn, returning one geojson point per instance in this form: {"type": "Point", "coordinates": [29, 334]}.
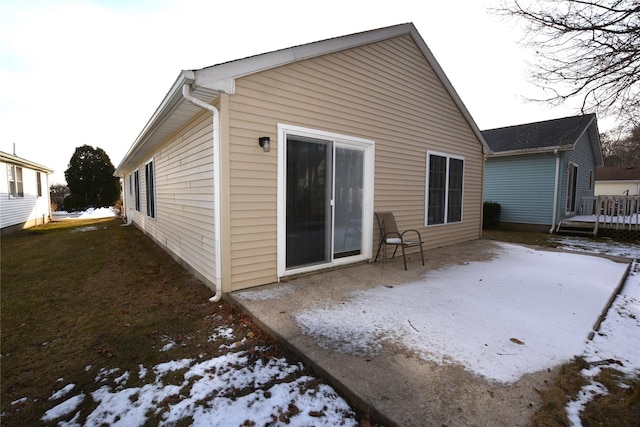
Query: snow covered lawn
{"type": "Point", "coordinates": [90, 213]}
{"type": "Point", "coordinates": [524, 311]}
{"type": "Point", "coordinates": [209, 395]}
{"type": "Point", "coordinates": [238, 388]}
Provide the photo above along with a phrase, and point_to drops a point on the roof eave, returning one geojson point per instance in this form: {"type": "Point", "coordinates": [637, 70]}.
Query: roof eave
{"type": "Point", "coordinates": [539, 150]}
{"type": "Point", "coordinates": [171, 99]}
{"type": "Point", "coordinates": [9, 158]}
{"type": "Point", "coordinates": [596, 144]}
{"type": "Point", "coordinates": [594, 138]}
{"type": "Point", "coordinates": [214, 75]}
{"type": "Point", "coordinates": [172, 113]}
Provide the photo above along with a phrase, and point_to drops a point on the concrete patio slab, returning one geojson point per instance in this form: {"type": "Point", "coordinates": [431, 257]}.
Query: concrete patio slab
{"type": "Point", "coordinates": [396, 385]}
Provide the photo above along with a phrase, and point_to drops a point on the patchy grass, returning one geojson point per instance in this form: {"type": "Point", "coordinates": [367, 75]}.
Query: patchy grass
{"type": "Point", "coordinates": [619, 407]}
{"type": "Point", "coordinates": [520, 237]}
{"type": "Point", "coordinates": [86, 299]}
{"type": "Point", "coordinates": [567, 384]}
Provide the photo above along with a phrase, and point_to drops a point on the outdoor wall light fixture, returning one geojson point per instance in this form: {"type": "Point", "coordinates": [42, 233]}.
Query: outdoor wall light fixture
{"type": "Point", "coordinates": [265, 143]}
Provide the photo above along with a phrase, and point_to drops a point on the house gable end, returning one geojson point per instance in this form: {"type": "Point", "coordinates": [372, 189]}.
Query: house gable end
{"type": "Point", "coordinates": [219, 77]}
{"type": "Point", "coordinates": [207, 83]}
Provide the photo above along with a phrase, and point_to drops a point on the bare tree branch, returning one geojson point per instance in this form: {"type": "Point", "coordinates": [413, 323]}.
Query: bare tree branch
{"type": "Point", "coordinates": [621, 147]}
{"type": "Point", "coordinates": [587, 49]}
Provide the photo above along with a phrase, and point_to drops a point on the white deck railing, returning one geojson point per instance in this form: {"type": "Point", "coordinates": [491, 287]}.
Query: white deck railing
{"type": "Point", "coordinates": [614, 212]}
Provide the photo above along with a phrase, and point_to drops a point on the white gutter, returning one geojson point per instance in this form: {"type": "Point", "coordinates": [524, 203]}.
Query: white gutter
{"type": "Point", "coordinates": [186, 93]}
{"type": "Point", "coordinates": [555, 191]}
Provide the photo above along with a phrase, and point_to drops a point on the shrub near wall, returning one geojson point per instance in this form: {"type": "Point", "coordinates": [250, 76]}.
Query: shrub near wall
{"type": "Point", "coordinates": [490, 214]}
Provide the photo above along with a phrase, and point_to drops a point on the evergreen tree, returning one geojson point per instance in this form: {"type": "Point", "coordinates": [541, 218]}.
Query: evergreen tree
{"type": "Point", "coordinates": [90, 179]}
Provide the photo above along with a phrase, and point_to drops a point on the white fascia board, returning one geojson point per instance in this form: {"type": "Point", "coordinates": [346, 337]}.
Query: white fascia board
{"type": "Point", "coordinates": [217, 76]}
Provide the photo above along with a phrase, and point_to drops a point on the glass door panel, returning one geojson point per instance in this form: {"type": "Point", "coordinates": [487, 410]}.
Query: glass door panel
{"type": "Point", "coordinates": [348, 201]}
{"type": "Point", "coordinates": [308, 201]}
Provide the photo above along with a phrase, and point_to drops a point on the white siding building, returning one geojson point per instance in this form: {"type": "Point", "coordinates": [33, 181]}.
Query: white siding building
{"type": "Point", "coordinates": [24, 193]}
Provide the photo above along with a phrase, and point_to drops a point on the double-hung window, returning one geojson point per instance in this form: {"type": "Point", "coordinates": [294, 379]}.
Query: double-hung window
{"type": "Point", "coordinates": [444, 188]}
{"type": "Point", "coordinates": [15, 181]}
{"type": "Point", "coordinates": [150, 188]}
{"type": "Point", "coordinates": [39, 183]}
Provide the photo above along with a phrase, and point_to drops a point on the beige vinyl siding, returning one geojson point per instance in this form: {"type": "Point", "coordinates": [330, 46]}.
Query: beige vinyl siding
{"type": "Point", "coordinates": [184, 220]}
{"type": "Point", "coordinates": [385, 92]}
{"type": "Point", "coordinates": [28, 210]}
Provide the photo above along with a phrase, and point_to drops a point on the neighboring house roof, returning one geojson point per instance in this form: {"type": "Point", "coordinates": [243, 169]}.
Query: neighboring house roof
{"type": "Point", "coordinates": [546, 136]}
{"type": "Point", "coordinates": [207, 83]}
{"type": "Point", "coordinates": [612, 173]}
{"type": "Point", "coordinates": [10, 158]}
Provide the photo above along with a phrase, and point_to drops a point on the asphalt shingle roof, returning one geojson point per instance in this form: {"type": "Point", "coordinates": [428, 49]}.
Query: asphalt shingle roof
{"type": "Point", "coordinates": [611, 173]}
{"type": "Point", "coordinates": [539, 135]}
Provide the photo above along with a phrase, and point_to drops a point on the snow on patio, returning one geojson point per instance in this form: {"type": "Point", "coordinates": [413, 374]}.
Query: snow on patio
{"type": "Point", "coordinates": [524, 311]}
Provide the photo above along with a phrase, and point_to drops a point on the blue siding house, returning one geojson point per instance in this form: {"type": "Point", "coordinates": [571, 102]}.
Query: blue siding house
{"type": "Point", "coordinates": [539, 172]}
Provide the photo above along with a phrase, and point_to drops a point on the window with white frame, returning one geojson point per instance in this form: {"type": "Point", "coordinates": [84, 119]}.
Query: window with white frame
{"type": "Point", "coordinates": [149, 174]}
{"type": "Point", "coordinates": [15, 181]}
{"type": "Point", "coordinates": [444, 188]}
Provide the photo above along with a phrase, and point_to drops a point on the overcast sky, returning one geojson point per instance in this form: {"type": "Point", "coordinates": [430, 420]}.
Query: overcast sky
{"type": "Point", "coordinates": [77, 72]}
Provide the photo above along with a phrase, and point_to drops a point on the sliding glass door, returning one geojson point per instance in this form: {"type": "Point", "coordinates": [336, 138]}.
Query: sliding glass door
{"type": "Point", "coordinates": [348, 197]}
{"type": "Point", "coordinates": [308, 220]}
{"type": "Point", "coordinates": [324, 215]}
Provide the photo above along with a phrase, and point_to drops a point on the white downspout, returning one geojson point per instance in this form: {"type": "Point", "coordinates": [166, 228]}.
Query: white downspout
{"type": "Point", "coordinates": [555, 192]}
{"type": "Point", "coordinates": [186, 93]}
{"type": "Point", "coordinates": [128, 221]}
